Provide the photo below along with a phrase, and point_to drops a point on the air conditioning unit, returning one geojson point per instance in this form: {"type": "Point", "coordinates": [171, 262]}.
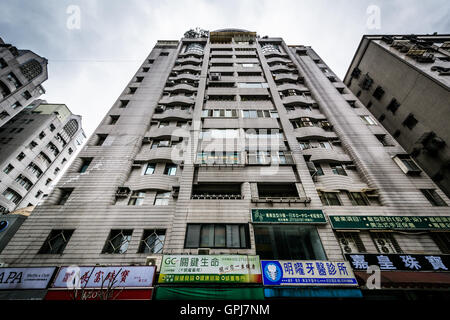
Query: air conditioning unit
{"type": "Point", "coordinates": [215, 76]}
{"type": "Point", "coordinates": [150, 261]}
{"type": "Point", "coordinates": [203, 251]}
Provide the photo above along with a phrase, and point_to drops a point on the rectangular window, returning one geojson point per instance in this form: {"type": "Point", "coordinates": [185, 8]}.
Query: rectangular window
{"type": "Point", "coordinates": [64, 196]}
{"type": "Point", "coordinates": [113, 119]}
{"type": "Point", "coordinates": [288, 242]}
{"type": "Point", "coordinates": [137, 198]}
{"type": "Point", "coordinates": [393, 106]}
{"type": "Point", "coordinates": [358, 198]}
{"type": "Point", "coordinates": [24, 182]}
{"type": "Point", "coordinates": [368, 120]}
{"type": "Point", "coordinates": [217, 236]}
{"type": "Point", "coordinates": [162, 199]}
{"type": "Point", "coordinates": [8, 168]}
{"type": "Point", "coordinates": [150, 168]}
{"type": "Point", "coordinates": [21, 156]}
{"type": "Point", "coordinates": [12, 195]}
{"type": "Point", "coordinates": [378, 93]}
{"type": "Point", "coordinates": [85, 164]}
{"type": "Point", "coordinates": [407, 164]}
{"type": "Point", "coordinates": [152, 241]}
{"type": "Point", "coordinates": [101, 139]}
{"type": "Point", "coordinates": [410, 122]}
{"type": "Point", "coordinates": [118, 241]}
{"type": "Point", "coordinates": [56, 242]}
{"type": "Point", "coordinates": [385, 242]}
{"type": "Point", "coordinates": [433, 197]}
{"type": "Point", "coordinates": [329, 198]}
{"type": "Point", "coordinates": [277, 190]}
{"type": "Point", "coordinates": [170, 169]}
{"type": "Point", "coordinates": [338, 169]}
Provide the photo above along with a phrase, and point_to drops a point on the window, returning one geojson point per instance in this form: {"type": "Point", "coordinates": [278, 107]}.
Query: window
{"type": "Point", "coordinates": [160, 144]}
{"type": "Point", "coordinates": [378, 93]}
{"type": "Point", "coordinates": [64, 160]}
{"type": "Point", "coordinates": [3, 115]}
{"type": "Point", "coordinates": [15, 105]}
{"type": "Point", "coordinates": [11, 77]}
{"type": "Point", "coordinates": [12, 195]}
{"type": "Point", "coordinates": [350, 242]}
{"type": "Point", "coordinates": [277, 190]}
{"type": "Point", "coordinates": [319, 170]}
{"type": "Point", "coordinates": [407, 164]}
{"type": "Point", "coordinates": [145, 69]}
{"type": "Point", "coordinates": [385, 242]}
{"type": "Point", "coordinates": [382, 117]}
{"type": "Point", "coordinates": [369, 120]}
{"type": "Point", "coordinates": [164, 54]}
{"type": "Point", "coordinates": [137, 198]}
{"type": "Point", "coordinates": [132, 90]}
{"type": "Point", "coordinates": [21, 156]}
{"type": "Point", "coordinates": [325, 145]}
{"type": "Point", "coordinates": [32, 145]}
{"type": "Point", "coordinates": [150, 169]}
{"type": "Point", "coordinates": [38, 194]}
{"type": "Point", "coordinates": [8, 168]}
{"type": "Point", "coordinates": [288, 242]}
{"type": "Point", "coordinates": [118, 241]}
{"type": "Point", "coordinates": [162, 198]}
{"type": "Point", "coordinates": [26, 95]}
{"type": "Point", "coordinates": [396, 134]}
{"type": "Point", "coordinates": [123, 103]}
{"type": "Point", "coordinates": [85, 162]}
{"type": "Point", "coordinates": [252, 85]}
{"type": "Point", "coordinates": [410, 122]}
{"type": "Point", "coordinates": [304, 145]}
{"type": "Point", "coordinates": [358, 198]}
{"type": "Point", "coordinates": [52, 127]}
{"type": "Point", "coordinates": [383, 139]}
{"type": "Point", "coordinates": [442, 240]}
{"type": "Point", "coordinates": [56, 242]}
{"type": "Point", "coordinates": [53, 149]}
{"type": "Point", "coordinates": [113, 119]}
{"type": "Point", "coordinates": [64, 196]}
{"type": "Point", "coordinates": [152, 241]}
{"type": "Point", "coordinates": [24, 182]}
{"type": "Point", "coordinates": [217, 236]}
{"type": "Point", "coordinates": [338, 169]}
{"type": "Point", "coordinates": [171, 169]}
{"type": "Point", "coordinates": [214, 191]}
{"type": "Point", "coordinates": [393, 106]}
{"type": "Point", "coordinates": [3, 63]}
{"type": "Point", "coordinates": [433, 197]}
{"type": "Point", "coordinates": [163, 124]}
{"type": "Point", "coordinates": [329, 198]}
{"type": "Point", "coordinates": [101, 139]}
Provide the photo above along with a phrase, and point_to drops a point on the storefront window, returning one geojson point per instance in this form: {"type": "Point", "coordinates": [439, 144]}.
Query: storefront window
{"type": "Point", "coordinates": [293, 242]}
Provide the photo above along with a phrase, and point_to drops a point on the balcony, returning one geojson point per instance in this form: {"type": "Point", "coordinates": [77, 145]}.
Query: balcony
{"type": "Point", "coordinates": [185, 76]}
{"type": "Point", "coordinates": [189, 60]}
{"type": "Point", "coordinates": [283, 68]}
{"type": "Point", "coordinates": [216, 191]}
{"type": "Point", "coordinates": [323, 154]}
{"type": "Point", "coordinates": [153, 181]}
{"type": "Point", "coordinates": [181, 87]}
{"type": "Point", "coordinates": [286, 76]}
{"type": "Point", "coordinates": [177, 99]}
{"type": "Point", "coordinates": [278, 59]}
{"type": "Point", "coordinates": [187, 67]}
{"type": "Point", "coordinates": [297, 99]}
{"type": "Point", "coordinates": [173, 153]}
{"type": "Point", "coordinates": [168, 131]}
{"type": "Point", "coordinates": [175, 113]}
{"type": "Point", "coordinates": [313, 132]}
{"type": "Point", "coordinates": [292, 86]}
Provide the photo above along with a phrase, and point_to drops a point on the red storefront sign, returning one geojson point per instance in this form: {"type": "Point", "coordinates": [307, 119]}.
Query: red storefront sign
{"type": "Point", "coordinates": [98, 294]}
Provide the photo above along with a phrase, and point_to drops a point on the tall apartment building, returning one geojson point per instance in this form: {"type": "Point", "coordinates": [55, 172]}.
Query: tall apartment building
{"type": "Point", "coordinates": [404, 82]}
{"type": "Point", "coordinates": [35, 146]}
{"type": "Point", "coordinates": [22, 73]}
{"type": "Point", "coordinates": [229, 143]}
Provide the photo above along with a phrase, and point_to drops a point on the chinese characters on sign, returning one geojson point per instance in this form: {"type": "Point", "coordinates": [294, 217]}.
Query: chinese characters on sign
{"type": "Point", "coordinates": [210, 268]}
{"type": "Point", "coordinates": [401, 262]}
{"type": "Point", "coordinates": [295, 272]}
{"type": "Point", "coordinates": [391, 222]}
{"type": "Point", "coordinates": [96, 277]}
{"type": "Point", "coordinates": [288, 216]}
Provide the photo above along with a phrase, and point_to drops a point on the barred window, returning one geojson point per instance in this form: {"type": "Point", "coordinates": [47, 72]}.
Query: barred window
{"type": "Point", "coordinates": [442, 240]}
{"type": "Point", "coordinates": [31, 69]}
{"type": "Point", "coordinates": [118, 241]}
{"type": "Point", "coordinates": [385, 242]}
{"type": "Point", "coordinates": [350, 242]}
{"type": "Point", "coordinates": [137, 198]}
{"type": "Point", "coordinates": [71, 127]}
{"type": "Point", "coordinates": [152, 241]}
{"type": "Point", "coordinates": [56, 242]}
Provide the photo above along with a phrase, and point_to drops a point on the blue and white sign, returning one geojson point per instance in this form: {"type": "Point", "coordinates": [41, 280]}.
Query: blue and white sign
{"type": "Point", "coordinates": [307, 272]}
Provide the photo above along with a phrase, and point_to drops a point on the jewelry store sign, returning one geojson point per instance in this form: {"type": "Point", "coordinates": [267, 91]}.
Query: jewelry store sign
{"type": "Point", "coordinates": [210, 269]}
{"type": "Point", "coordinates": [25, 278]}
{"type": "Point", "coordinates": [288, 216]}
{"type": "Point", "coordinates": [391, 222]}
{"type": "Point", "coordinates": [307, 273]}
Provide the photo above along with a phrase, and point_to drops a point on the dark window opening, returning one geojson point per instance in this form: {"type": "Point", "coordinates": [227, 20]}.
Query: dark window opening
{"type": "Point", "coordinates": [410, 122]}
{"type": "Point", "coordinates": [217, 236]}
{"type": "Point", "coordinates": [118, 241]}
{"type": "Point", "coordinates": [217, 191]}
{"type": "Point", "coordinates": [85, 164]}
{"type": "Point", "coordinates": [277, 190]}
{"type": "Point", "coordinates": [56, 242]}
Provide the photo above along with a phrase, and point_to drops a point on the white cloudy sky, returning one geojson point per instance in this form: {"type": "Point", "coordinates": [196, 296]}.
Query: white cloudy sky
{"type": "Point", "coordinates": [89, 67]}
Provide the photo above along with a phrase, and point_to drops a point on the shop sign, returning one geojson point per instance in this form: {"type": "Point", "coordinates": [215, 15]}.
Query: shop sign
{"type": "Point", "coordinates": [391, 222]}
{"type": "Point", "coordinates": [288, 216]}
{"type": "Point", "coordinates": [210, 269]}
{"type": "Point", "coordinates": [400, 262]}
{"type": "Point", "coordinates": [102, 277]}
{"type": "Point", "coordinates": [25, 278]}
{"type": "Point", "coordinates": [99, 294]}
{"type": "Point", "coordinates": [307, 273]}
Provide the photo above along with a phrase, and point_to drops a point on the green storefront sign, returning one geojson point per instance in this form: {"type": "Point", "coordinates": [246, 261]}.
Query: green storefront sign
{"type": "Point", "coordinates": [390, 222]}
{"type": "Point", "coordinates": [288, 216]}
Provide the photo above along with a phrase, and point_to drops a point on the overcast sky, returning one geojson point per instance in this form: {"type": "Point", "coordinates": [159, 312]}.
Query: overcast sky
{"type": "Point", "coordinates": [90, 66]}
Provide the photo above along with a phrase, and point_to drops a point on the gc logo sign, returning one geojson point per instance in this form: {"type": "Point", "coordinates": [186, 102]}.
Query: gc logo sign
{"type": "Point", "coordinates": [170, 261]}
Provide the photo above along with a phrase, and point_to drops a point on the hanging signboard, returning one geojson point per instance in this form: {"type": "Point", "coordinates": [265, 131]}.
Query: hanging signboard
{"type": "Point", "coordinates": [210, 268]}
{"type": "Point", "coordinates": [400, 262]}
{"type": "Point", "coordinates": [102, 277]}
{"type": "Point", "coordinates": [25, 278]}
{"type": "Point", "coordinates": [391, 222]}
{"type": "Point", "coordinates": [307, 273]}
{"type": "Point", "coordinates": [288, 216]}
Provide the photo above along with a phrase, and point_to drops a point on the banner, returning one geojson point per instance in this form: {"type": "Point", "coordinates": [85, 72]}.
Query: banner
{"type": "Point", "coordinates": [101, 277]}
{"type": "Point", "coordinates": [210, 268]}
{"type": "Point", "coordinates": [400, 262]}
{"type": "Point", "coordinates": [25, 278]}
{"type": "Point", "coordinates": [307, 273]}
{"type": "Point", "coordinates": [288, 216]}
{"type": "Point", "coordinates": [390, 222]}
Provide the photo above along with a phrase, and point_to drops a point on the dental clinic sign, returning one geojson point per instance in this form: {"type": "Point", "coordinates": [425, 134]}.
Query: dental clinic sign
{"type": "Point", "coordinates": [25, 278]}
{"type": "Point", "coordinates": [307, 273]}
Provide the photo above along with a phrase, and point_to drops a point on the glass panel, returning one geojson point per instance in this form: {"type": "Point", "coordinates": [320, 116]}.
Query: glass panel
{"type": "Point", "coordinates": [219, 236]}
{"type": "Point", "coordinates": [207, 236]}
{"type": "Point", "coordinates": [150, 168]}
{"type": "Point", "coordinates": [233, 236]}
{"type": "Point", "coordinates": [193, 236]}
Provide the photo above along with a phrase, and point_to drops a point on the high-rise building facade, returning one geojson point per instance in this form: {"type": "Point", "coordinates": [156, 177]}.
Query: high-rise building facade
{"type": "Point", "coordinates": [226, 143]}
{"type": "Point", "coordinates": [404, 82]}
{"type": "Point", "coordinates": [22, 73]}
{"type": "Point", "coordinates": [35, 146]}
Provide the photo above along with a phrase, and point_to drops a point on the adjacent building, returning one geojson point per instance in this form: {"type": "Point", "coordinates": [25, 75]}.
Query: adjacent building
{"type": "Point", "coordinates": [225, 144]}
{"type": "Point", "coordinates": [404, 81]}
{"type": "Point", "coordinates": [22, 73]}
{"type": "Point", "coordinates": [35, 146]}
